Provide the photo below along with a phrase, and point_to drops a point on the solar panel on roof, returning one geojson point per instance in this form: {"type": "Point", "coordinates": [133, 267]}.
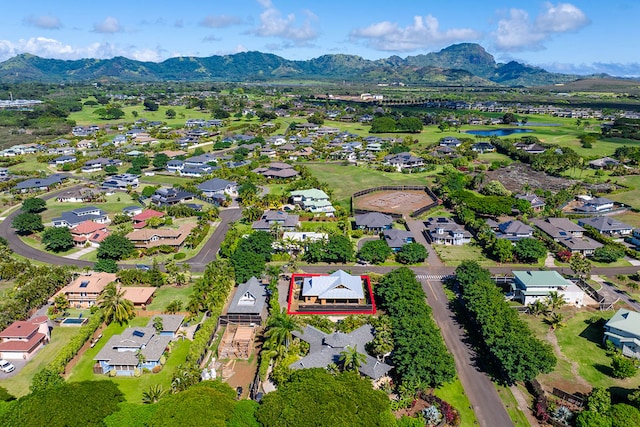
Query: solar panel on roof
{"type": "Point", "coordinates": [84, 284]}
{"type": "Point", "coordinates": [138, 334]}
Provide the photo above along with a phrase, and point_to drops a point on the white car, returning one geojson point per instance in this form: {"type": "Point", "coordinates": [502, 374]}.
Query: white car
{"type": "Point", "coordinates": [6, 366]}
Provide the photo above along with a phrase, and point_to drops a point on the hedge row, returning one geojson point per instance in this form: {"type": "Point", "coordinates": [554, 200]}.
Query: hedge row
{"type": "Point", "coordinates": [200, 343]}
{"type": "Point", "coordinates": [66, 353]}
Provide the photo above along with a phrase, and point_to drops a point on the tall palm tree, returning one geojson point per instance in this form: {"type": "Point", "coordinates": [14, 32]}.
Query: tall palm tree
{"type": "Point", "coordinates": [351, 359]}
{"type": "Point", "coordinates": [279, 333]}
{"type": "Point", "coordinates": [554, 300]}
{"type": "Point", "coordinates": [115, 306]}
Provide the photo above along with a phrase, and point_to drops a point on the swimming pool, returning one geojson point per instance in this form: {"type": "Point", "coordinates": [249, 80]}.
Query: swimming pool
{"type": "Point", "coordinates": [74, 321]}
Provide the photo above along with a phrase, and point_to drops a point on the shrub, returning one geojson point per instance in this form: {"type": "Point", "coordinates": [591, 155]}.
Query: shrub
{"type": "Point", "coordinates": [179, 256]}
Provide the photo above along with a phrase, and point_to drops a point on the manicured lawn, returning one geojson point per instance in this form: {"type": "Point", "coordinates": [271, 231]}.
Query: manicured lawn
{"type": "Point", "coordinates": [454, 255]}
{"type": "Point", "coordinates": [131, 387]}
{"type": "Point", "coordinates": [511, 405]}
{"type": "Point", "coordinates": [454, 394]}
{"type": "Point", "coordinates": [163, 179]}
{"type": "Point", "coordinates": [113, 205]}
{"type": "Point", "coordinates": [165, 294]}
{"type": "Point", "coordinates": [19, 384]}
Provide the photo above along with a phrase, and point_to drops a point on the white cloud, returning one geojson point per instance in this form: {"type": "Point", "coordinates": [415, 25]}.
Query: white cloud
{"type": "Point", "coordinates": [220, 21]}
{"type": "Point", "coordinates": [110, 25]}
{"type": "Point", "coordinates": [52, 48]}
{"type": "Point", "coordinates": [46, 22]}
{"type": "Point", "coordinates": [424, 32]}
{"type": "Point", "coordinates": [611, 68]}
{"type": "Point", "coordinates": [274, 24]}
{"type": "Point", "coordinates": [517, 32]}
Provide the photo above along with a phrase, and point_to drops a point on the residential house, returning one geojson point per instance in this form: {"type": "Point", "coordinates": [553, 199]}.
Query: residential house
{"type": "Point", "coordinates": [85, 290]}
{"type": "Point", "coordinates": [75, 217]}
{"type": "Point", "coordinates": [121, 182]}
{"type": "Point", "coordinates": [445, 231]}
{"type": "Point", "coordinates": [175, 165]}
{"type": "Point", "coordinates": [277, 170]}
{"type": "Point", "coordinates": [326, 349]}
{"type": "Point", "coordinates": [23, 338]}
{"type": "Point", "coordinates": [40, 184]}
{"type": "Point", "coordinates": [568, 234]}
{"type": "Point", "coordinates": [89, 232]}
{"type": "Point", "coordinates": [530, 148]}
{"type": "Point", "coordinates": [170, 196]}
{"type": "Point", "coordinates": [59, 161]}
{"type": "Point", "coordinates": [171, 324]}
{"type": "Point", "coordinates": [373, 222]}
{"type": "Point", "coordinates": [623, 330]}
{"type": "Point", "coordinates": [97, 165]}
{"type": "Point", "coordinates": [483, 147]}
{"type": "Point", "coordinates": [530, 286]}
{"type": "Point", "coordinates": [514, 230]}
{"type": "Point", "coordinates": [219, 187]}
{"type": "Point", "coordinates": [607, 225]}
{"type": "Point", "coordinates": [537, 203]}
{"type": "Point", "coordinates": [403, 161]}
{"type": "Point", "coordinates": [151, 237]}
{"type": "Point", "coordinates": [140, 220]}
{"type": "Point", "coordinates": [248, 305]}
{"type": "Point", "coordinates": [140, 296]}
{"type": "Point", "coordinates": [596, 205]}
{"type": "Point", "coordinates": [284, 221]}
{"type": "Point", "coordinates": [133, 350]}
{"type": "Point", "coordinates": [450, 141]}
{"type": "Point", "coordinates": [396, 239]}
{"type": "Point", "coordinates": [603, 163]}
{"type": "Point", "coordinates": [82, 195]}
{"type": "Point", "coordinates": [336, 288]}
{"type": "Point", "coordinates": [132, 210]}
{"type": "Point", "coordinates": [313, 200]}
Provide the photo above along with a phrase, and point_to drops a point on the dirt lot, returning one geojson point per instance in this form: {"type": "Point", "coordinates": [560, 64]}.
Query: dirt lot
{"type": "Point", "coordinates": [516, 175]}
{"type": "Point", "coordinates": [402, 202]}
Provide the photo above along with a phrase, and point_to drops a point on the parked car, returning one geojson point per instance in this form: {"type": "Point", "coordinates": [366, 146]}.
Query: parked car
{"type": "Point", "coordinates": [6, 366]}
{"type": "Point", "coordinates": [143, 267]}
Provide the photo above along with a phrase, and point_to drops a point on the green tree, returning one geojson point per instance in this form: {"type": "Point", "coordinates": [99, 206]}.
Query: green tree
{"type": "Point", "coordinates": [555, 301]}
{"type": "Point", "coordinates": [538, 307]}
{"type": "Point", "coordinates": [555, 321]}
{"type": "Point", "coordinates": [60, 303]}
{"type": "Point", "coordinates": [608, 253]}
{"type": "Point", "coordinates": [529, 250]}
{"type": "Point", "coordinates": [106, 265]}
{"type": "Point", "coordinates": [599, 400]}
{"type": "Point", "coordinates": [623, 415]}
{"type": "Point", "coordinates": [27, 223]}
{"type": "Point", "coordinates": [174, 306]}
{"type": "Point", "coordinates": [383, 125]}
{"type": "Point", "coordinates": [580, 265]}
{"type": "Point", "coordinates": [160, 160]}
{"type": "Point", "coordinates": [280, 328]}
{"type": "Point", "coordinates": [109, 113]}
{"type": "Point", "coordinates": [33, 205]}
{"type": "Point", "coordinates": [351, 359]}
{"type": "Point", "coordinates": [170, 113]}
{"type": "Point", "coordinates": [509, 118]}
{"type": "Point", "coordinates": [153, 394]}
{"type": "Point", "coordinates": [502, 250]}
{"type": "Point", "coordinates": [495, 188]}
{"type": "Point", "coordinates": [57, 239]}
{"type": "Point", "coordinates": [149, 105]}
{"type": "Point", "coordinates": [45, 379]}
{"type": "Point", "coordinates": [115, 307]}
{"type": "Point", "coordinates": [115, 247]}
{"type": "Point", "coordinates": [593, 419]}
{"type": "Point", "coordinates": [111, 170]}
{"type": "Point", "coordinates": [339, 249]}
{"type": "Point", "coordinates": [375, 251]}
{"type": "Point", "coordinates": [623, 367]}
{"type": "Point", "coordinates": [411, 253]}
{"type": "Point", "coordinates": [158, 324]}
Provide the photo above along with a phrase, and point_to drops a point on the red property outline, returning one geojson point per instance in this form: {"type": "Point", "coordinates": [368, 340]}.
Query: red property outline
{"type": "Point", "coordinates": [292, 284]}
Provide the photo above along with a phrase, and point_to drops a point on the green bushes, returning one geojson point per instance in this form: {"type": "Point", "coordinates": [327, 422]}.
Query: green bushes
{"type": "Point", "coordinates": [179, 256]}
{"type": "Point", "coordinates": [74, 345]}
{"type": "Point", "coordinates": [518, 354]}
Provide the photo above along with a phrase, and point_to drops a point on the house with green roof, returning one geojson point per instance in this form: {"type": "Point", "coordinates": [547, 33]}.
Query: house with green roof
{"type": "Point", "coordinates": [623, 330]}
{"type": "Point", "coordinates": [530, 286]}
{"type": "Point", "coordinates": [313, 200]}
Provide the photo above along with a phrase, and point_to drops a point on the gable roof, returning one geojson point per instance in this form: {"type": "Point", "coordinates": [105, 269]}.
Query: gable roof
{"type": "Point", "coordinates": [250, 298]}
{"type": "Point", "coordinates": [605, 223]}
{"type": "Point", "coordinates": [337, 285]}
{"type": "Point", "coordinates": [627, 321]}
{"type": "Point", "coordinates": [215, 184]}
{"type": "Point", "coordinates": [373, 220]}
{"type": "Point", "coordinates": [532, 278]}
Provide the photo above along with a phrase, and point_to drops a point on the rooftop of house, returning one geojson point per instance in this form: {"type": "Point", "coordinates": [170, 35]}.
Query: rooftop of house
{"type": "Point", "coordinates": [250, 298]}
{"type": "Point", "coordinates": [626, 320]}
{"type": "Point", "coordinates": [337, 285]}
{"type": "Point", "coordinates": [545, 279]}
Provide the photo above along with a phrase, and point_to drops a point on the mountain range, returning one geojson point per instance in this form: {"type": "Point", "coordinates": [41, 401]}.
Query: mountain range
{"type": "Point", "coordinates": [465, 64]}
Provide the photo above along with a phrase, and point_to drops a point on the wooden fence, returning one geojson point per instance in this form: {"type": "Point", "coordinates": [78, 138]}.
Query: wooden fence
{"type": "Point", "coordinates": [395, 215]}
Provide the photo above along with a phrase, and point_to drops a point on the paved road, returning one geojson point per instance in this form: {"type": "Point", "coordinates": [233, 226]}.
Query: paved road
{"type": "Point", "coordinates": [477, 386]}
{"type": "Point", "coordinates": [211, 247]}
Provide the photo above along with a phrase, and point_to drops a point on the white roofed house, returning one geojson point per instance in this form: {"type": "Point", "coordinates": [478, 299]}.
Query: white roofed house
{"type": "Point", "coordinates": [337, 288]}
{"type": "Point", "coordinates": [314, 201]}
{"type": "Point", "coordinates": [623, 330]}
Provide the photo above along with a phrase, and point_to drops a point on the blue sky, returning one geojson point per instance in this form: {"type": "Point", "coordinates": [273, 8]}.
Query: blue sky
{"type": "Point", "coordinates": [574, 37]}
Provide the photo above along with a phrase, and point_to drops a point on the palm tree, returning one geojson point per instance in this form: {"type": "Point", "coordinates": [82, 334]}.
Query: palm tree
{"type": "Point", "coordinates": [538, 308]}
{"type": "Point", "coordinates": [153, 394]}
{"type": "Point", "coordinates": [555, 301]}
{"type": "Point", "coordinates": [555, 321]}
{"type": "Point", "coordinates": [351, 359]}
{"type": "Point", "coordinates": [279, 333]}
{"type": "Point", "coordinates": [115, 306]}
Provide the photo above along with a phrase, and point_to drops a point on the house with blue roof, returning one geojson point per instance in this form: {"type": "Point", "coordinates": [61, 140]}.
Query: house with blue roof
{"type": "Point", "coordinates": [75, 217]}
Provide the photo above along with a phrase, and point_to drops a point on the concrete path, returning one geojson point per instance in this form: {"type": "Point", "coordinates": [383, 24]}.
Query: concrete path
{"type": "Point", "coordinates": [417, 227]}
{"type": "Point", "coordinates": [77, 255]}
{"type": "Point", "coordinates": [478, 387]}
{"type": "Point", "coordinates": [549, 260]}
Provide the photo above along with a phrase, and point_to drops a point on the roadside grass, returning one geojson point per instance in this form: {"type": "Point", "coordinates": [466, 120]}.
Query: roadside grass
{"type": "Point", "coordinates": [511, 405]}
{"type": "Point", "coordinates": [131, 387]}
{"type": "Point", "coordinates": [345, 180]}
{"type": "Point", "coordinates": [37, 244]}
{"type": "Point", "coordinates": [619, 263]}
{"type": "Point", "coordinates": [630, 197]}
{"type": "Point", "coordinates": [454, 394]}
{"type": "Point", "coordinates": [18, 385]}
{"type": "Point", "coordinates": [453, 256]}
{"type": "Point", "coordinates": [113, 205]}
{"type": "Point", "coordinates": [165, 294]}
{"type": "Point", "coordinates": [629, 217]}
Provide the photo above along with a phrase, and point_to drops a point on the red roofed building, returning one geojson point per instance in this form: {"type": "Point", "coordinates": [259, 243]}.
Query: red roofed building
{"type": "Point", "coordinates": [140, 220]}
{"type": "Point", "coordinates": [89, 231]}
{"type": "Point", "coordinates": [23, 338]}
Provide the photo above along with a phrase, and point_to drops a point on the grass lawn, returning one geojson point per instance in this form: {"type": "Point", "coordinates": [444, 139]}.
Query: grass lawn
{"type": "Point", "coordinates": [113, 205]}
{"type": "Point", "coordinates": [165, 294]}
{"type": "Point", "coordinates": [163, 179]}
{"type": "Point", "coordinates": [131, 387]}
{"type": "Point", "coordinates": [454, 394]}
{"type": "Point", "coordinates": [345, 180]}
{"type": "Point", "coordinates": [19, 384]}
{"type": "Point", "coordinates": [454, 255]}
{"type": "Point", "coordinates": [511, 405]}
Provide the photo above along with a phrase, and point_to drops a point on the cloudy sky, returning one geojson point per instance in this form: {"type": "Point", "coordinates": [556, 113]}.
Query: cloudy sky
{"type": "Point", "coordinates": [581, 37]}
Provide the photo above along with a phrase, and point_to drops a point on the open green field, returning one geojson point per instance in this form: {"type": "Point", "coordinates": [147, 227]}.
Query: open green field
{"type": "Point", "coordinates": [453, 256]}
{"type": "Point", "coordinates": [87, 116]}
{"type": "Point", "coordinates": [18, 385]}
{"type": "Point", "coordinates": [131, 387]}
{"type": "Point", "coordinates": [114, 205]}
{"type": "Point", "coordinates": [454, 394]}
{"type": "Point", "coordinates": [165, 294]}
{"type": "Point", "coordinates": [345, 180]}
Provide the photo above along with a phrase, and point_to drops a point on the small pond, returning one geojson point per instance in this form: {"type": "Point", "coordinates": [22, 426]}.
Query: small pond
{"type": "Point", "coordinates": [498, 132]}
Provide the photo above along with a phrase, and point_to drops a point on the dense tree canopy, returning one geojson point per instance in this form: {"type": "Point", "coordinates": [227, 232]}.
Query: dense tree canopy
{"type": "Point", "coordinates": [33, 205]}
{"type": "Point", "coordinates": [315, 396]}
{"type": "Point", "coordinates": [57, 239]}
{"type": "Point", "coordinates": [374, 251]}
{"type": "Point", "coordinates": [411, 253]}
{"type": "Point", "coordinates": [115, 247]}
{"type": "Point", "coordinates": [27, 223]}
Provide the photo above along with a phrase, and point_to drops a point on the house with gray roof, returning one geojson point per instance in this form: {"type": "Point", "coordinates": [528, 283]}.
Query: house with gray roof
{"type": "Point", "coordinates": [337, 287]}
{"type": "Point", "coordinates": [403, 160]}
{"type": "Point", "coordinates": [284, 220]}
{"type": "Point", "coordinates": [171, 323]}
{"type": "Point", "coordinates": [607, 225]}
{"type": "Point", "coordinates": [396, 239]}
{"type": "Point", "coordinates": [445, 231]}
{"type": "Point", "coordinates": [374, 222]}
{"type": "Point", "coordinates": [248, 305]}
{"type": "Point", "coordinates": [325, 349]}
{"type": "Point", "coordinates": [568, 234]}
{"type": "Point", "coordinates": [40, 184]}
{"type": "Point", "coordinates": [596, 205]}
{"type": "Point", "coordinates": [623, 330]}
{"type": "Point", "coordinates": [220, 187]}
{"type": "Point", "coordinates": [514, 230]}
{"type": "Point", "coordinates": [537, 203]}
{"type": "Point", "coordinates": [120, 353]}
{"type": "Point", "coordinates": [73, 218]}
